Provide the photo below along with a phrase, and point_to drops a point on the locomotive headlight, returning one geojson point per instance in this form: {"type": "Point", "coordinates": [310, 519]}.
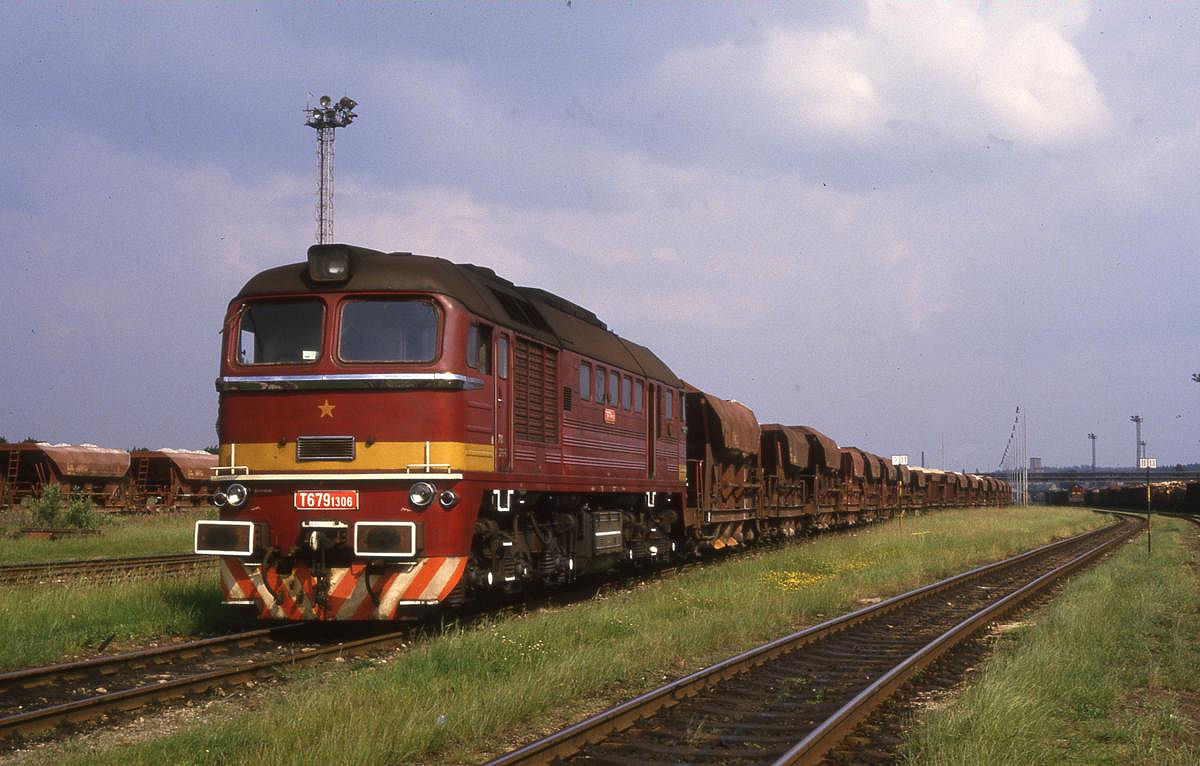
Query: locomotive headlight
{"type": "Point", "coordinates": [421, 494]}
{"type": "Point", "coordinates": [236, 495]}
{"type": "Point", "coordinates": [220, 500]}
{"type": "Point", "coordinates": [448, 499]}
{"type": "Point", "coordinates": [328, 263]}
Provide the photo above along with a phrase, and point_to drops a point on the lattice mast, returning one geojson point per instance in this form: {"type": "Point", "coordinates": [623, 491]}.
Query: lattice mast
{"type": "Point", "coordinates": [1018, 469]}
{"type": "Point", "coordinates": [1140, 445]}
{"type": "Point", "coordinates": [325, 118]}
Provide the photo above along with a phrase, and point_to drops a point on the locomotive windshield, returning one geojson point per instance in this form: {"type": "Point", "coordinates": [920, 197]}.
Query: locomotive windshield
{"type": "Point", "coordinates": [280, 332]}
{"type": "Point", "coordinates": [376, 330]}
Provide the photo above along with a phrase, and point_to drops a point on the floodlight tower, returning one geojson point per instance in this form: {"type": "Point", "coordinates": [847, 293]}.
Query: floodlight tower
{"type": "Point", "coordinates": [1196, 377]}
{"type": "Point", "coordinates": [325, 118]}
{"type": "Point", "coordinates": [1137, 421]}
{"type": "Point", "coordinates": [1093, 439]}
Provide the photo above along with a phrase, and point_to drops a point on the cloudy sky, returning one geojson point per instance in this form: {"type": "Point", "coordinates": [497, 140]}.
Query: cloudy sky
{"type": "Point", "coordinates": [894, 221]}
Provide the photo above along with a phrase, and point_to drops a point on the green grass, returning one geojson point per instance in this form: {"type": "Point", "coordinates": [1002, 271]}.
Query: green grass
{"type": "Point", "coordinates": [454, 697]}
{"type": "Point", "coordinates": [120, 535]}
{"type": "Point", "coordinates": [1105, 674]}
{"type": "Point", "coordinates": [43, 624]}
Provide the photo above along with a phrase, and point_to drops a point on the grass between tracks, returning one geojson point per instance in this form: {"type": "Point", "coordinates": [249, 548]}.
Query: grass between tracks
{"type": "Point", "coordinates": [40, 624]}
{"type": "Point", "coordinates": [1105, 674]}
{"type": "Point", "coordinates": [120, 535]}
{"type": "Point", "coordinates": [478, 690]}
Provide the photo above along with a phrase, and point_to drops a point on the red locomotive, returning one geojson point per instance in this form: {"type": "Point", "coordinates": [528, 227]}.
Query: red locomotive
{"type": "Point", "coordinates": [400, 431]}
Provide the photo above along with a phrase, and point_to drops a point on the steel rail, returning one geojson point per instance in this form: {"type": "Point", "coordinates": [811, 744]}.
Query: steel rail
{"type": "Point", "coordinates": [41, 719]}
{"type": "Point", "coordinates": [102, 669]}
{"type": "Point", "coordinates": [132, 566]}
{"type": "Point", "coordinates": [568, 741]}
{"type": "Point", "coordinates": [837, 727]}
{"type": "Point", "coordinates": [49, 675]}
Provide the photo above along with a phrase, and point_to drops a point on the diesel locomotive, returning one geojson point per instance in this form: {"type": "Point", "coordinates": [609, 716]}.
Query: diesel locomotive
{"type": "Point", "coordinates": [400, 432]}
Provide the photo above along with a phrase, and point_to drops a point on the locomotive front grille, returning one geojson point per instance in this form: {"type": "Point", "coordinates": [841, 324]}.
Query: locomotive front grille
{"type": "Point", "coordinates": [324, 448]}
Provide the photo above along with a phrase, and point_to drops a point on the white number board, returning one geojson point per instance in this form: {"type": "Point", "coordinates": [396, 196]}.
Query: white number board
{"type": "Point", "coordinates": [899, 459]}
{"type": "Point", "coordinates": [1147, 462]}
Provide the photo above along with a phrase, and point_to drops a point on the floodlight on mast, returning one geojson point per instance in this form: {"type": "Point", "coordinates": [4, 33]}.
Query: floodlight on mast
{"type": "Point", "coordinates": [324, 119]}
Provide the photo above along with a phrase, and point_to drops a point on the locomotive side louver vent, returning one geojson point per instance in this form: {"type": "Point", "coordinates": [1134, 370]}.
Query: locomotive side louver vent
{"type": "Point", "coordinates": [535, 392]}
{"type": "Point", "coordinates": [324, 448]}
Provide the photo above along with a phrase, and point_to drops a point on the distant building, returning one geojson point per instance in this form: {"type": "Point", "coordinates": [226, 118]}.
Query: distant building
{"type": "Point", "coordinates": [1035, 464]}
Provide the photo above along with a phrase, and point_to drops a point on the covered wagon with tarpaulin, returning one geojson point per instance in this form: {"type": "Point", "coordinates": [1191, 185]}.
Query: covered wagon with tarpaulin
{"type": "Point", "coordinates": [825, 461]}
{"type": "Point", "coordinates": [170, 478]}
{"type": "Point", "coordinates": [881, 483]}
{"type": "Point", "coordinates": [795, 473]}
{"type": "Point", "coordinates": [97, 473]}
{"type": "Point", "coordinates": [724, 483]}
{"type": "Point", "coordinates": [854, 480]}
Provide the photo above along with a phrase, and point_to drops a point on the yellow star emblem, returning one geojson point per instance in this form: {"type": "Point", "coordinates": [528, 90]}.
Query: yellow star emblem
{"type": "Point", "coordinates": [326, 409]}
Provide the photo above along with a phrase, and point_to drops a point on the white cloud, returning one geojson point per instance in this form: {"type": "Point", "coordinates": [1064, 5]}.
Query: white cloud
{"type": "Point", "coordinates": [1006, 68]}
{"type": "Point", "coordinates": [717, 249]}
{"type": "Point", "coordinates": [447, 223]}
{"type": "Point", "coordinates": [958, 70]}
{"type": "Point", "coordinates": [812, 79]}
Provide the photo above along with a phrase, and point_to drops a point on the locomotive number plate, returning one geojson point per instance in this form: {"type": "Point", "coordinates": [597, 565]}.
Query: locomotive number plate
{"type": "Point", "coordinates": [326, 499]}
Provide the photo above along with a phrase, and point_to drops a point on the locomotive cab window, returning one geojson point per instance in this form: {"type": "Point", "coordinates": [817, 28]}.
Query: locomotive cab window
{"type": "Point", "coordinates": [280, 332]}
{"type": "Point", "coordinates": [627, 392]}
{"type": "Point", "coordinates": [613, 384]}
{"type": "Point", "coordinates": [600, 374]}
{"type": "Point", "coordinates": [375, 330]}
{"type": "Point", "coordinates": [585, 380]}
{"type": "Point", "coordinates": [479, 348]}
{"type": "Point", "coordinates": [638, 388]}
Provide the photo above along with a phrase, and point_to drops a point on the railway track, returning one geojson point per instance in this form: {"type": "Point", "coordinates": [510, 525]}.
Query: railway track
{"type": "Point", "coordinates": [796, 699]}
{"type": "Point", "coordinates": [40, 699]}
{"type": "Point", "coordinates": [102, 569]}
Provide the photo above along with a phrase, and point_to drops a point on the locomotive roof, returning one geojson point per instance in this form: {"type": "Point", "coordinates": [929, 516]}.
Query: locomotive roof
{"type": "Point", "coordinates": [535, 312]}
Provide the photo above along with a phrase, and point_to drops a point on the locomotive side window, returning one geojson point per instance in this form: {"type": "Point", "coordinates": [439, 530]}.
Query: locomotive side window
{"type": "Point", "coordinates": [281, 332]}
{"type": "Point", "coordinates": [502, 357]}
{"type": "Point", "coordinates": [600, 385]}
{"type": "Point", "coordinates": [668, 404]}
{"type": "Point", "coordinates": [388, 331]}
{"type": "Point", "coordinates": [585, 380]}
{"type": "Point", "coordinates": [638, 387]}
{"type": "Point", "coordinates": [479, 348]}
{"type": "Point", "coordinates": [627, 392]}
{"type": "Point", "coordinates": [613, 383]}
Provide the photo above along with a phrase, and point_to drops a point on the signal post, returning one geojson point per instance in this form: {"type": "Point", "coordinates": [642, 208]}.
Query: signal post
{"type": "Point", "coordinates": [1147, 463]}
